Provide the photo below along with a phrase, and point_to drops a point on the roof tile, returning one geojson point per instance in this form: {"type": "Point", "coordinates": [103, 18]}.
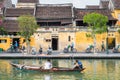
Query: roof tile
{"type": "Point", "coordinates": [16, 12]}
{"type": "Point", "coordinates": [54, 12]}
{"type": "Point", "coordinates": [28, 1]}
{"type": "Point", "coordinates": [11, 25]}
{"type": "Point", "coordinates": [80, 13]}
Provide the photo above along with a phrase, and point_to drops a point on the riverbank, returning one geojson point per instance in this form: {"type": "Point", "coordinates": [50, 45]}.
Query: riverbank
{"type": "Point", "coordinates": [60, 55]}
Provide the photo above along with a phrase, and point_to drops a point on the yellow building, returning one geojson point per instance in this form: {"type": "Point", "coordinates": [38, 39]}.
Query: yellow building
{"type": "Point", "coordinates": [7, 41]}
{"type": "Point", "coordinates": [115, 8]}
{"type": "Point", "coordinates": [61, 25]}
{"type": "Point", "coordinates": [109, 8]}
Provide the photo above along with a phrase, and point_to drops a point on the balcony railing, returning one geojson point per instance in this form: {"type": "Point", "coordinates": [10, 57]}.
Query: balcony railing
{"type": "Point", "coordinates": [85, 28]}
{"type": "Point", "coordinates": [71, 29]}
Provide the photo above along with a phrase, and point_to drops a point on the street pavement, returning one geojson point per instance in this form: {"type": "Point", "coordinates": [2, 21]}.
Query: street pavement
{"type": "Point", "coordinates": [61, 55]}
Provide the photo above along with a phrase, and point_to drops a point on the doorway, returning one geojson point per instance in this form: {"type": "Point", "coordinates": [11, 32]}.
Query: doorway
{"type": "Point", "coordinates": [111, 43]}
{"type": "Point", "coordinates": [55, 43]}
{"type": "Point", "coordinates": [16, 40]}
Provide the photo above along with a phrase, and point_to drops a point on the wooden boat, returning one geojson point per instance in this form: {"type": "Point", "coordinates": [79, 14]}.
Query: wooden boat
{"type": "Point", "coordinates": [37, 68]}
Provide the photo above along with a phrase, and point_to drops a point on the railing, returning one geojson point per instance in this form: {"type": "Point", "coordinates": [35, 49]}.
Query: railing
{"type": "Point", "coordinates": [72, 28]}
{"type": "Point", "coordinates": [114, 28]}
{"type": "Point", "coordinates": [85, 28]}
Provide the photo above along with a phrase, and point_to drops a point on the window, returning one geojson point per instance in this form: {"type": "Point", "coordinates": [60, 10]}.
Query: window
{"type": "Point", "coordinates": [69, 38]}
{"type": "Point", "coordinates": [48, 40]}
{"type": "Point", "coordinates": [3, 41]}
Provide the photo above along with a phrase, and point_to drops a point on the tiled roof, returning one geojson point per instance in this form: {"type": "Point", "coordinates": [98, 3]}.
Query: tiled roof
{"type": "Point", "coordinates": [1, 5]}
{"type": "Point", "coordinates": [80, 13]}
{"type": "Point", "coordinates": [54, 12]}
{"type": "Point", "coordinates": [28, 1]}
{"type": "Point", "coordinates": [16, 12]}
{"type": "Point", "coordinates": [11, 25]}
{"type": "Point", "coordinates": [92, 7]}
{"type": "Point", "coordinates": [1, 15]}
{"type": "Point", "coordinates": [104, 4]}
{"type": "Point", "coordinates": [116, 4]}
{"type": "Point", "coordinates": [1, 0]}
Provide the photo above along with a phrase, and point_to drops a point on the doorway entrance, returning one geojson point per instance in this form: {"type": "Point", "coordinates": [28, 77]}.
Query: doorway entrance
{"type": "Point", "coordinates": [111, 43]}
{"type": "Point", "coordinates": [15, 40]}
{"type": "Point", "coordinates": [55, 43]}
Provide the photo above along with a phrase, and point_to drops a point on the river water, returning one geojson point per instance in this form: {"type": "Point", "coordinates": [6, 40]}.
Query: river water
{"type": "Point", "coordinates": [96, 69]}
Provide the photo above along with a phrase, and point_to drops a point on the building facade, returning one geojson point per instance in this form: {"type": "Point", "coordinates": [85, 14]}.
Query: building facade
{"type": "Point", "coordinates": [60, 25]}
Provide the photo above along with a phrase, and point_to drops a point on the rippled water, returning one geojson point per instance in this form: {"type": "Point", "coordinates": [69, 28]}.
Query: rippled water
{"type": "Point", "coordinates": [95, 70]}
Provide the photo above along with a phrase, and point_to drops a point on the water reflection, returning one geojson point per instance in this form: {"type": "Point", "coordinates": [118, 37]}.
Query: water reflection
{"type": "Point", "coordinates": [95, 70]}
{"type": "Point", "coordinates": [47, 77]}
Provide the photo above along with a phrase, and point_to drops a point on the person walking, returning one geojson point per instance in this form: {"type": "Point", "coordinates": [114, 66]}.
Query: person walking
{"type": "Point", "coordinates": [102, 47]}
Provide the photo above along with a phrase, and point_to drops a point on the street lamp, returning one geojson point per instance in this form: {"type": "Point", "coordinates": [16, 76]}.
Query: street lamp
{"type": "Point", "coordinates": [107, 52]}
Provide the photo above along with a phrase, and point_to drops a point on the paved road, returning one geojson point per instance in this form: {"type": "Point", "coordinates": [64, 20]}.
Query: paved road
{"type": "Point", "coordinates": [61, 55]}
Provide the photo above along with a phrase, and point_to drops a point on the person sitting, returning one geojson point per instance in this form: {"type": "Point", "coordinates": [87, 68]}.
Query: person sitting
{"type": "Point", "coordinates": [40, 50]}
{"type": "Point", "coordinates": [33, 51]}
{"type": "Point", "coordinates": [48, 64]}
{"type": "Point", "coordinates": [49, 51]}
{"type": "Point", "coordinates": [78, 65]}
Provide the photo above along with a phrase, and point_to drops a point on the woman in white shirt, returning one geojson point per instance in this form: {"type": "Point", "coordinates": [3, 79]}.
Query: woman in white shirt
{"type": "Point", "coordinates": [48, 65]}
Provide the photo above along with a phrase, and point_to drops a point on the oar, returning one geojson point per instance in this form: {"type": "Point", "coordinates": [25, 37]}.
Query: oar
{"type": "Point", "coordinates": [72, 59]}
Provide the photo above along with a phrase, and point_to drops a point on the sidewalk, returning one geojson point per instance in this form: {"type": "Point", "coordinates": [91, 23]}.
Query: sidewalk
{"type": "Point", "coordinates": [60, 55]}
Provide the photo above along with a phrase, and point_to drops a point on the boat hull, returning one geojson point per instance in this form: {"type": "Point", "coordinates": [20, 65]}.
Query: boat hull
{"type": "Point", "coordinates": [37, 68]}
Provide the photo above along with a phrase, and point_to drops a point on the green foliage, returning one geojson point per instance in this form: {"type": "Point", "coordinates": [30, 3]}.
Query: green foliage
{"type": "Point", "coordinates": [88, 35]}
{"type": "Point", "coordinates": [2, 31]}
{"type": "Point", "coordinates": [119, 31]}
{"type": "Point", "coordinates": [27, 25]}
{"type": "Point", "coordinates": [96, 22]}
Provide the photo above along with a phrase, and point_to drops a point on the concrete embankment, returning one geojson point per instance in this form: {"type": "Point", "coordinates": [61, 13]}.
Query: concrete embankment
{"type": "Point", "coordinates": [61, 56]}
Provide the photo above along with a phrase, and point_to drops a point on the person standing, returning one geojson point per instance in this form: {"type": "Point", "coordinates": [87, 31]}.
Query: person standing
{"type": "Point", "coordinates": [102, 47]}
{"type": "Point", "coordinates": [23, 47]}
{"type": "Point", "coordinates": [16, 46]}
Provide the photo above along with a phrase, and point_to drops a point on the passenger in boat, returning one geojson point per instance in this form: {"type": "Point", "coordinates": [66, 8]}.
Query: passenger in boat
{"type": "Point", "coordinates": [78, 65]}
{"type": "Point", "coordinates": [48, 64]}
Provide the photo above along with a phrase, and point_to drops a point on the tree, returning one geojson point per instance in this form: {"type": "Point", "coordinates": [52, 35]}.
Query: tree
{"type": "Point", "coordinates": [118, 31]}
{"type": "Point", "coordinates": [2, 29]}
{"type": "Point", "coordinates": [97, 23]}
{"type": "Point", "coordinates": [28, 26]}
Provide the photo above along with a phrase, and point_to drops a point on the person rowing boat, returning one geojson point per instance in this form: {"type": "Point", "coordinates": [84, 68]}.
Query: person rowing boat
{"type": "Point", "coordinates": [78, 65]}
